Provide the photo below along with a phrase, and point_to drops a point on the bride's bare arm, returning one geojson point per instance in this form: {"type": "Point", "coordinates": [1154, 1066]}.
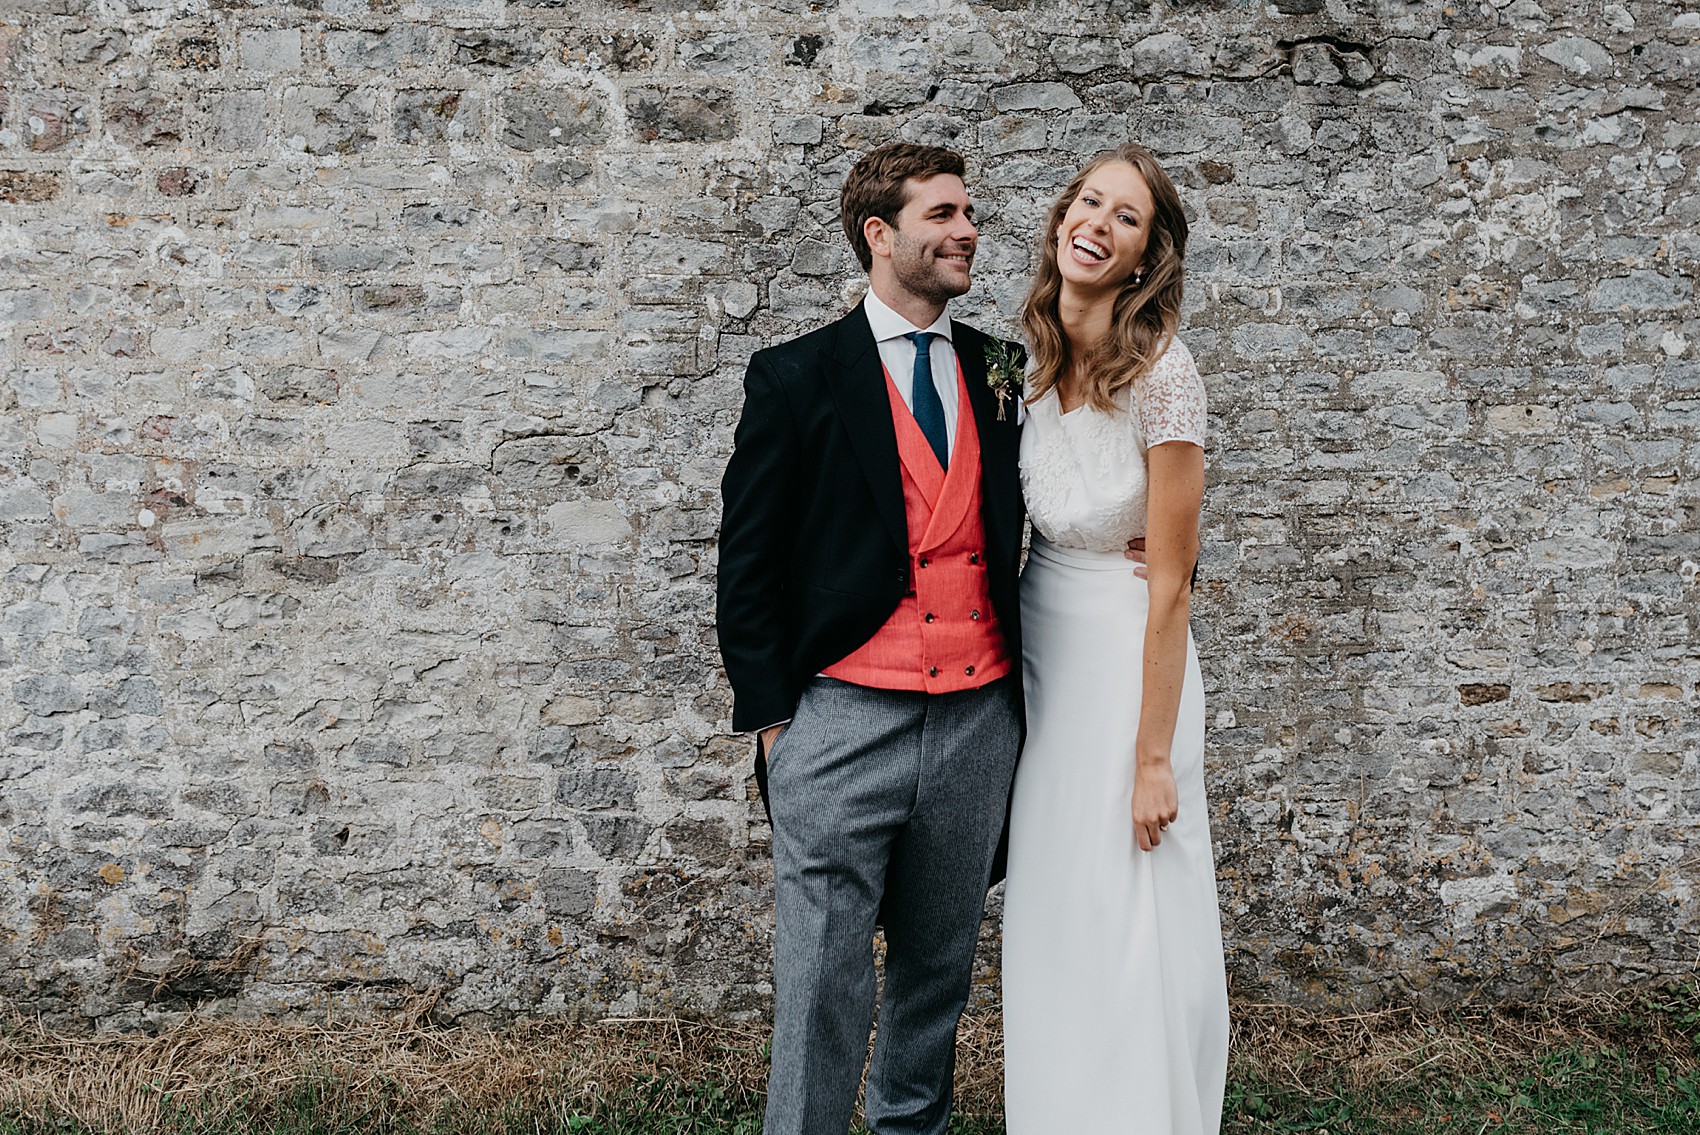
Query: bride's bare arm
{"type": "Point", "coordinates": [1176, 478]}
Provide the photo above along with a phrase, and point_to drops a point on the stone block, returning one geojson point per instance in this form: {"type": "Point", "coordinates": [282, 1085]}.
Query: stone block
{"type": "Point", "coordinates": [57, 430]}
{"type": "Point", "coordinates": [1082, 55]}
{"type": "Point", "coordinates": [239, 119]}
{"type": "Point", "coordinates": [1012, 133]}
{"type": "Point", "coordinates": [587, 524]}
{"type": "Point", "coordinates": [329, 120]}
{"type": "Point", "coordinates": [115, 799]}
{"type": "Point", "coordinates": [798, 129]}
{"type": "Point", "coordinates": [1033, 96]}
{"type": "Point", "coordinates": [1578, 55]}
{"type": "Point", "coordinates": [430, 117]}
{"type": "Point", "coordinates": [495, 51]}
{"type": "Point", "coordinates": [47, 694]}
{"type": "Point", "coordinates": [622, 51]}
{"type": "Point", "coordinates": [20, 304]}
{"type": "Point", "coordinates": [391, 50]}
{"type": "Point", "coordinates": [54, 120]}
{"type": "Point", "coordinates": [681, 114]}
{"type": "Point", "coordinates": [358, 256]}
{"type": "Point", "coordinates": [595, 787]}
{"type": "Point", "coordinates": [708, 841]}
{"type": "Point", "coordinates": [144, 119]}
{"type": "Point", "coordinates": [617, 839]}
{"type": "Point", "coordinates": [1088, 133]}
{"type": "Point", "coordinates": [195, 52]}
{"type": "Point", "coordinates": [723, 53]}
{"type": "Point", "coordinates": [1641, 291]}
{"type": "Point", "coordinates": [1164, 55]}
{"type": "Point", "coordinates": [563, 255]}
{"type": "Point", "coordinates": [270, 51]}
{"type": "Point", "coordinates": [21, 187]}
{"type": "Point", "coordinates": [540, 119]}
{"type": "Point", "coordinates": [569, 893]}
{"type": "Point", "coordinates": [818, 258]}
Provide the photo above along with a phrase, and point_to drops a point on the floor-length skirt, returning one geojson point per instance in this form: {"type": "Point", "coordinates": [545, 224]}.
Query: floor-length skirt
{"type": "Point", "coordinates": [1114, 995]}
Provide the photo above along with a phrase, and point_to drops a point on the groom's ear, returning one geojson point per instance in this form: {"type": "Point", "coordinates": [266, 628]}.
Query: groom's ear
{"type": "Point", "coordinates": [877, 233]}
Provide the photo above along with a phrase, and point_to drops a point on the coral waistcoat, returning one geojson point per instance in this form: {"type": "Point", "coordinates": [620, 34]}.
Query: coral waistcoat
{"type": "Point", "coordinates": [944, 636]}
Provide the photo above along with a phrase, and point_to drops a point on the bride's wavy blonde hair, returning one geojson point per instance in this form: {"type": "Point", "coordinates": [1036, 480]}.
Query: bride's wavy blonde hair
{"type": "Point", "coordinates": [1147, 309]}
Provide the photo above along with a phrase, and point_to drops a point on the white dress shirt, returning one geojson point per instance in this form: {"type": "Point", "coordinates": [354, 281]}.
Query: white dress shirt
{"type": "Point", "coordinates": [898, 355]}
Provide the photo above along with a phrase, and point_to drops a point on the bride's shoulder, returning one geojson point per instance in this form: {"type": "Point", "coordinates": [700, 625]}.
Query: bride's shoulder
{"type": "Point", "coordinates": [1176, 358]}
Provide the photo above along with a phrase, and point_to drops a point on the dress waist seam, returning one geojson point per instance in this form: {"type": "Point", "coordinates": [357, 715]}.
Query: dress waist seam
{"type": "Point", "coordinates": [1078, 557]}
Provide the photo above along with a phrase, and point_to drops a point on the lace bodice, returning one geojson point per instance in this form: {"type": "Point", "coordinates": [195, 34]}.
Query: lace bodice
{"type": "Point", "coordinates": [1083, 473]}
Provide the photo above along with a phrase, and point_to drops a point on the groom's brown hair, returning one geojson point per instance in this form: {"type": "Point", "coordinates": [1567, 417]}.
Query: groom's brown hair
{"type": "Point", "coordinates": [875, 187]}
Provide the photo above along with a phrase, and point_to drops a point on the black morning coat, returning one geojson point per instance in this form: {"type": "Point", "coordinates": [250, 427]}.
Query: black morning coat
{"type": "Point", "coordinates": [814, 544]}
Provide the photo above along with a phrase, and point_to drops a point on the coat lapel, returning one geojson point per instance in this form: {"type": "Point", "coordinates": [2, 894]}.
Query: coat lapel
{"type": "Point", "coordinates": [999, 441]}
{"type": "Point", "coordinates": [857, 382]}
{"type": "Point", "coordinates": [971, 353]}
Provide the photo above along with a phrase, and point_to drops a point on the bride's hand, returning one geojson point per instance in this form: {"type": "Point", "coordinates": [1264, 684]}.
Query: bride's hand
{"type": "Point", "coordinates": [1155, 805]}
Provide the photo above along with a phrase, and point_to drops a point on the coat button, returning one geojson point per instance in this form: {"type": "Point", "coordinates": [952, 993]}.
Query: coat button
{"type": "Point", "coordinates": [973, 614]}
{"type": "Point", "coordinates": [929, 616]}
{"type": "Point", "coordinates": [933, 671]}
{"type": "Point", "coordinates": [969, 671]}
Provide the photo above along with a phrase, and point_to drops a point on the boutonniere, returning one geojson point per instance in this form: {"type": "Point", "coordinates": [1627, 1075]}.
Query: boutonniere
{"type": "Point", "coordinates": [1003, 371]}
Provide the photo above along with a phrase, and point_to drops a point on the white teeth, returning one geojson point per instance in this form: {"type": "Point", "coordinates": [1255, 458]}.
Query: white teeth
{"type": "Point", "coordinates": [1092, 249]}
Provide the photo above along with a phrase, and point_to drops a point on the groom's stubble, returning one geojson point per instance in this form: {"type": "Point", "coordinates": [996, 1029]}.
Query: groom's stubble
{"type": "Point", "coordinates": [916, 268]}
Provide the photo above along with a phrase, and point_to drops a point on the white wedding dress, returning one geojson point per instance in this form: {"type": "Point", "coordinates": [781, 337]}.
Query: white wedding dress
{"type": "Point", "coordinates": [1114, 993]}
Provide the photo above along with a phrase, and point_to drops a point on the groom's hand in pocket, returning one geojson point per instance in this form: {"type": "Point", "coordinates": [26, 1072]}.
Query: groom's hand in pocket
{"type": "Point", "coordinates": [1136, 553]}
{"type": "Point", "coordinates": [769, 737]}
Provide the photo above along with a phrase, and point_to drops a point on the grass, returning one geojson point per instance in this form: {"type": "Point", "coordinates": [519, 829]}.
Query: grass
{"type": "Point", "coordinates": [1629, 1063]}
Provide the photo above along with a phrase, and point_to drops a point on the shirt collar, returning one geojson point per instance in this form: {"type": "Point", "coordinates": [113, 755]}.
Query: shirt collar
{"type": "Point", "coordinates": [887, 324]}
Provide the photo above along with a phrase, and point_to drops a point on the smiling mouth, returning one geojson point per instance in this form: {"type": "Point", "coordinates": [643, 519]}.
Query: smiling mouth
{"type": "Point", "coordinates": [962, 258]}
{"type": "Point", "coordinates": [1090, 248]}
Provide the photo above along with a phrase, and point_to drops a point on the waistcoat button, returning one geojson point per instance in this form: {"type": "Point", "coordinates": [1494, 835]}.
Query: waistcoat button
{"type": "Point", "coordinates": [929, 616]}
{"type": "Point", "coordinates": [925, 562]}
{"type": "Point", "coordinates": [973, 557]}
{"type": "Point", "coordinates": [969, 671]}
{"type": "Point", "coordinates": [933, 671]}
{"type": "Point", "coordinates": [973, 614]}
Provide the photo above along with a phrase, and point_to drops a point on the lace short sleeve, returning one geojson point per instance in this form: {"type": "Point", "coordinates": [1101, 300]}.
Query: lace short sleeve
{"type": "Point", "coordinates": [1171, 399]}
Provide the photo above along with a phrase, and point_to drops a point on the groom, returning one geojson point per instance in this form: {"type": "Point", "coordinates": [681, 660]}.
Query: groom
{"type": "Point", "coordinates": [869, 624]}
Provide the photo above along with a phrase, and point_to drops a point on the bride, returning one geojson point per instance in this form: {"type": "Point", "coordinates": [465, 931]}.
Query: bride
{"type": "Point", "coordinates": [1115, 998]}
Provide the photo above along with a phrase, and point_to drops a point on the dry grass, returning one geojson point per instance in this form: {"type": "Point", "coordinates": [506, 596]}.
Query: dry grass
{"type": "Point", "coordinates": [1602, 1063]}
{"type": "Point", "coordinates": [1375, 1049]}
{"type": "Point", "coordinates": [554, 1075]}
{"type": "Point", "coordinates": [410, 1074]}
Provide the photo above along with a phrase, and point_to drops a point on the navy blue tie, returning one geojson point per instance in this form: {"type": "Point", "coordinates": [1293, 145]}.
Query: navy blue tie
{"type": "Point", "coordinates": [929, 411]}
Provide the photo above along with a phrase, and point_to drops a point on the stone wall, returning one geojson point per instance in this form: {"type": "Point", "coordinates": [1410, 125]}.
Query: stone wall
{"type": "Point", "coordinates": [369, 368]}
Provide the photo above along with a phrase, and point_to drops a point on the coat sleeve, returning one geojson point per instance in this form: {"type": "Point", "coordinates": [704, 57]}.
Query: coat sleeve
{"type": "Point", "coordinates": [759, 514]}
